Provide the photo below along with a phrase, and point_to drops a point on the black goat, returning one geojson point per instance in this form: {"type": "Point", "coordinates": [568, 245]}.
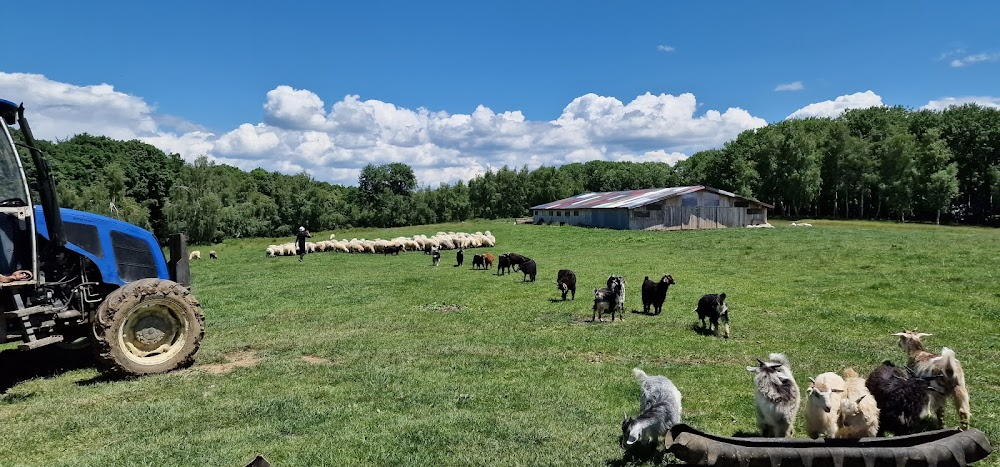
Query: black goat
{"type": "Point", "coordinates": [391, 250]}
{"type": "Point", "coordinates": [714, 308]}
{"type": "Point", "coordinates": [901, 397]}
{"type": "Point", "coordinates": [516, 260]}
{"type": "Point", "coordinates": [503, 264]}
{"type": "Point", "coordinates": [654, 293]}
{"type": "Point", "coordinates": [478, 261]}
{"type": "Point", "coordinates": [566, 283]}
{"type": "Point", "coordinates": [529, 268]}
{"type": "Point", "coordinates": [459, 258]}
{"type": "Point", "coordinates": [611, 298]}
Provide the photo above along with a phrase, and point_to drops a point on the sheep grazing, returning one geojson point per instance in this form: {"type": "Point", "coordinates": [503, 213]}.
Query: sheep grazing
{"type": "Point", "coordinates": [823, 405]}
{"type": "Point", "coordinates": [488, 260]}
{"type": "Point", "coordinates": [435, 256]}
{"type": "Point", "coordinates": [609, 298]}
{"type": "Point", "coordinates": [530, 269]}
{"type": "Point", "coordinates": [271, 251]}
{"type": "Point", "coordinates": [194, 255]}
{"type": "Point", "coordinates": [566, 283]}
{"type": "Point", "coordinates": [776, 396]}
{"type": "Point", "coordinates": [859, 412]}
{"type": "Point", "coordinates": [503, 264]}
{"type": "Point", "coordinates": [478, 262]}
{"type": "Point", "coordinates": [948, 370]}
{"type": "Point", "coordinates": [902, 397]}
{"type": "Point", "coordinates": [659, 410]}
{"type": "Point", "coordinates": [213, 255]}
{"type": "Point", "coordinates": [801, 224]}
{"type": "Point", "coordinates": [654, 293]}
{"type": "Point", "coordinates": [391, 250]}
{"type": "Point", "coordinates": [459, 258]}
{"type": "Point", "coordinates": [714, 308]}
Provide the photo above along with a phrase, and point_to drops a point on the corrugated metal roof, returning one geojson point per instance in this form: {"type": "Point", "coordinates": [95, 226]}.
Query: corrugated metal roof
{"type": "Point", "coordinates": [631, 198]}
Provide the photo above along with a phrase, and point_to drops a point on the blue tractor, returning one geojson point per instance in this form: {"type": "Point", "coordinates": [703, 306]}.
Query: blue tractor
{"type": "Point", "coordinates": [91, 281]}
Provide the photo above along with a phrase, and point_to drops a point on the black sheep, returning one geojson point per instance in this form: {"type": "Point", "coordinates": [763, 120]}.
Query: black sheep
{"type": "Point", "coordinates": [714, 308]}
{"type": "Point", "coordinates": [901, 397]}
{"type": "Point", "coordinates": [654, 293]}
{"type": "Point", "coordinates": [566, 282]}
{"type": "Point", "coordinates": [529, 269]}
{"type": "Point", "coordinates": [391, 250]}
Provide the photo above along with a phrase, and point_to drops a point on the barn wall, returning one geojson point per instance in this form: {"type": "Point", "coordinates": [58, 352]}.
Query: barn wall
{"type": "Point", "coordinates": [695, 217]}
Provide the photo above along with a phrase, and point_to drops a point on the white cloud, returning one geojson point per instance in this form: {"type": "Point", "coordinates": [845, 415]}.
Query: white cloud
{"type": "Point", "coordinates": [300, 132]}
{"type": "Point", "coordinates": [945, 102]}
{"type": "Point", "coordinates": [793, 86]}
{"type": "Point", "coordinates": [974, 59]}
{"type": "Point", "coordinates": [665, 48]}
{"type": "Point", "coordinates": [832, 109]}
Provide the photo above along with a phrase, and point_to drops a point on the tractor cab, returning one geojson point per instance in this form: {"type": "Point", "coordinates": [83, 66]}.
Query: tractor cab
{"type": "Point", "coordinates": [17, 226]}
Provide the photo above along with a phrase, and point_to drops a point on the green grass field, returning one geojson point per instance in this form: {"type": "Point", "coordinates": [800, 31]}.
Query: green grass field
{"type": "Point", "coordinates": [372, 360]}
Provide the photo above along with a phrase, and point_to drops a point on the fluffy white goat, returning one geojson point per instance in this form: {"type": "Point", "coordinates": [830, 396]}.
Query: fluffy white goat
{"type": "Point", "coordinates": [823, 405]}
{"type": "Point", "coordinates": [659, 409]}
{"type": "Point", "coordinates": [858, 410]}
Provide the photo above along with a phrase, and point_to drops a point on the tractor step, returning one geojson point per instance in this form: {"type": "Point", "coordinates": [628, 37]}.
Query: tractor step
{"type": "Point", "coordinates": [30, 311]}
{"type": "Point", "coordinates": [40, 342]}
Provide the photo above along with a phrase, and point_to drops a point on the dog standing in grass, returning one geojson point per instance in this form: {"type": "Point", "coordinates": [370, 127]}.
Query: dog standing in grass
{"type": "Point", "coordinates": [435, 255]}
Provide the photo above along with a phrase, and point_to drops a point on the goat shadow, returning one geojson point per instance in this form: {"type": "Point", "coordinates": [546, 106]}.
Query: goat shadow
{"type": "Point", "coordinates": [644, 313]}
{"type": "Point", "coordinates": [639, 456]}
{"type": "Point", "coordinates": [20, 366]}
{"type": "Point", "coordinates": [702, 331]}
{"type": "Point", "coordinates": [560, 300]}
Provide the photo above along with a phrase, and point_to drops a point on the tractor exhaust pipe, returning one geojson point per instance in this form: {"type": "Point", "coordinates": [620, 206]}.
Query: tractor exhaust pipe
{"type": "Point", "coordinates": [179, 265]}
{"type": "Point", "coordinates": [46, 184]}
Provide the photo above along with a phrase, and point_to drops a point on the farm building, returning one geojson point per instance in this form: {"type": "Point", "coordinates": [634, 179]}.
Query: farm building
{"type": "Point", "coordinates": [677, 208]}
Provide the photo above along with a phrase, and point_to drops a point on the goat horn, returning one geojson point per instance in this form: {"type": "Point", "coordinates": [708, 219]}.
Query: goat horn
{"type": "Point", "coordinates": [761, 362]}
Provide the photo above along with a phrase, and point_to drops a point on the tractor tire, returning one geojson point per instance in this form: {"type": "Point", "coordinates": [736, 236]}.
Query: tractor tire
{"type": "Point", "coordinates": [146, 327]}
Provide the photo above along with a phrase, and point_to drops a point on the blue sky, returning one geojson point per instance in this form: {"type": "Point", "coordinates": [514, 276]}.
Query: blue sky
{"type": "Point", "coordinates": [260, 84]}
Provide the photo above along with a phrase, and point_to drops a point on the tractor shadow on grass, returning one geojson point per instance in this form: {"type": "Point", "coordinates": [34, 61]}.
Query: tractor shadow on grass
{"type": "Point", "coordinates": [20, 366]}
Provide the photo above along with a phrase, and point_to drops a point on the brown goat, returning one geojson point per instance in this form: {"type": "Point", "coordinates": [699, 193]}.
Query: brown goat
{"type": "Point", "coordinates": [950, 378]}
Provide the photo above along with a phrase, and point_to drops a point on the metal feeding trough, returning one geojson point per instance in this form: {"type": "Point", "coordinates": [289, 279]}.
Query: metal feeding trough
{"type": "Point", "coordinates": [940, 448]}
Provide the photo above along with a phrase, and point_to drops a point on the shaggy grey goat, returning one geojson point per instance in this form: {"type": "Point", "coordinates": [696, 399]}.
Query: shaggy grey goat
{"type": "Point", "coordinates": [776, 395]}
{"type": "Point", "coordinates": [659, 410]}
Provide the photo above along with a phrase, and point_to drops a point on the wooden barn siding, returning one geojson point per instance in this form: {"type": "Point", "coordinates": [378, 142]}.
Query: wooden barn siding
{"type": "Point", "coordinates": [696, 217]}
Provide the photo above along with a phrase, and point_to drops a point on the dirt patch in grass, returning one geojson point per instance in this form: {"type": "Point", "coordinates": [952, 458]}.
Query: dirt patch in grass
{"type": "Point", "coordinates": [241, 359]}
{"type": "Point", "coordinates": [316, 360]}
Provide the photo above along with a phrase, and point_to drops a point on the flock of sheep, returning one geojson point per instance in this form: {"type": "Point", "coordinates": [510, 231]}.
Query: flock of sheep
{"type": "Point", "coordinates": [891, 399]}
{"type": "Point", "coordinates": [441, 240]}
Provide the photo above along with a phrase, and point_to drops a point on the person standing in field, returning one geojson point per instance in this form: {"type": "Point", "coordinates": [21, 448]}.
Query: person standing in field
{"type": "Point", "coordinates": [300, 242]}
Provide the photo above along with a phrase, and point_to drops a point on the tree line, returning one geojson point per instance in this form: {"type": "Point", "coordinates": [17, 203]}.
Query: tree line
{"type": "Point", "coordinates": [877, 163]}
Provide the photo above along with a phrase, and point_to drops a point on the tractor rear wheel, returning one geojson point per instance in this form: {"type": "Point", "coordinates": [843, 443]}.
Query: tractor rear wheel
{"type": "Point", "coordinates": [148, 326]}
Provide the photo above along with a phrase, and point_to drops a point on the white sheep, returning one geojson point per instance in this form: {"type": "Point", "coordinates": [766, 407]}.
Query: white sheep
{"type": "Point", "coordinates": [776, 396]}
{"type": "Point", "coordinates": [858, 410]}
{"type": "Point", "coordinates": [194, 255]}
{"type": "Point", "coordinates": [271, 251]}
{"type": "Point", "coordinates": [333, 236]}
{"type": "Point", "coordinates": [823, 404]}
{"type": "Point", "coordinates": [801, 224]}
